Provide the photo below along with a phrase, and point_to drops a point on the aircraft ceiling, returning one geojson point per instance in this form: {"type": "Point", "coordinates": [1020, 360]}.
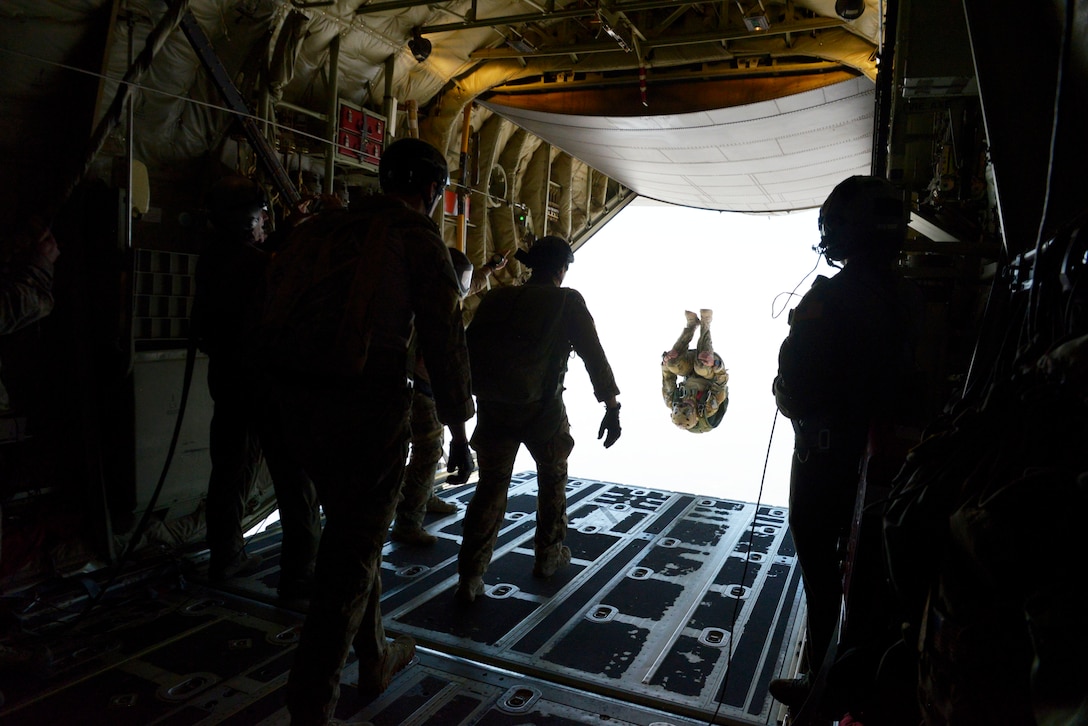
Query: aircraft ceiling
{"type": "Point", "coordinates": [682, 102]}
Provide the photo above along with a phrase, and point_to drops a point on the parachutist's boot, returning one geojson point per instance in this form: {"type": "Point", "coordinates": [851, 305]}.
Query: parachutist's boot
{"type": "Point", "coordinates": [705, 316]}
{"type": "Point", "coordinates": [692, 319]}
{"type": "Point", "coordinates": [438, 505]}
{"type": "Point", "coordinates": [791, 691]}
{"type": "Point", "coordinates": [547, 565]}
{"type": "Point", "coordinates": [374, 678]}
{"type": "Point", "coordinates": [240, 565]}
{"type": "Point", "coordinates": [469, 588]}
{"type": "Point", "coordinates": [412, 536]}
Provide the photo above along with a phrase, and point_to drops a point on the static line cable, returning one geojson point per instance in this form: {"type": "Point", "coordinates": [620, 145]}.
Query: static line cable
{"type": "Point", "coordinates": [790, 294]}
{"type": "Point", "coordinates": [744, 576]}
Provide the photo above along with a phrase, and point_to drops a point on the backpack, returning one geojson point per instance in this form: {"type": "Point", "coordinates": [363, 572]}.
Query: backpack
{"type": "Point", "coordinates": [518, 348]}
{"type": "Point", "coordinates": [317, 310]}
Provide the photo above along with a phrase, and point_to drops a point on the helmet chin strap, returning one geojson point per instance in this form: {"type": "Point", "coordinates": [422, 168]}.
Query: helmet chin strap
{"type": "Point", "coordinates": [431, 199]}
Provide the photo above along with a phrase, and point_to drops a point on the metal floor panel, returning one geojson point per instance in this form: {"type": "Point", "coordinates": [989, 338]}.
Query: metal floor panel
{"type": "Point", "coordinates": [672, 600]}
{"type": "Point", "coordinates": [676, 609]}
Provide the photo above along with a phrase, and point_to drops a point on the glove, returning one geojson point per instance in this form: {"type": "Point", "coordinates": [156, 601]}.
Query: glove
{"type": "Point", "coordinates": [460, 460]}
{"type": "Point", "coordinates": [611, 424]}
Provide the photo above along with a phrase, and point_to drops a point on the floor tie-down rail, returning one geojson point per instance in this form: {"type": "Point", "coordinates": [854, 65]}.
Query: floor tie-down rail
{"type": "Point", "coordinates": [676, 609]}
{"type": "Point", "coordinates": [674, 601]}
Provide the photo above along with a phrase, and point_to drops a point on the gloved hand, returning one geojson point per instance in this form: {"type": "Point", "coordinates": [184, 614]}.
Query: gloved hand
{"type": "Point", "coordinates": [459, 460]}
{"type": "Point", "coordinates": [611, 424]}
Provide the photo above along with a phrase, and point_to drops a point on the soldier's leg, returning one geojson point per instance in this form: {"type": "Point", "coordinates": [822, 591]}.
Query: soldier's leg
{"type": "Point", "coordinates": [419, 474]}
{"type": "Point", "coordinates": [486, 510]}
{"type": "Point", "coordinates": [705, 345]}
{"type": "Point", "coordinates": [551, 502]}
{"type": "Point", "coordinates": [343, 611]}
{"type": "Point", "coordinates": [684, 340]}
{"type": "Point", "coordinates": [821, 489]}
{"type": "Point", "coordinates": [300, 516]}
{"type": "Point", "coordinates": [235, 455]}
{"type": "Point", "coordinates": [708, 364]}
{"type": "Point", "coordinates": [354, 448]}
{"type": "Point", "coordinates": [378, 666]}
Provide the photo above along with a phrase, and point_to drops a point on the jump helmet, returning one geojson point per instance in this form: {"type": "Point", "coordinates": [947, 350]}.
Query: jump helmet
{"type": "Point", "coordinates": [547, 253]}
{"type": "Point", "coordinates": [862, 215]}
{"type": "Point", "coordinates": [410, 166]}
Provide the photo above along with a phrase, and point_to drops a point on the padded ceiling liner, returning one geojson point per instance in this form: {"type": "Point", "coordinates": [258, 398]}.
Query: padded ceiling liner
{"type": "Point", "coordinates": [772, 156]}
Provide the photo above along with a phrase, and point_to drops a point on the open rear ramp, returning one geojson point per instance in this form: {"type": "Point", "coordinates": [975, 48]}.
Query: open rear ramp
{"type": "Point", "coordinates": [671, 600]}
{"type": "Point", "coordinates": [676, 609]}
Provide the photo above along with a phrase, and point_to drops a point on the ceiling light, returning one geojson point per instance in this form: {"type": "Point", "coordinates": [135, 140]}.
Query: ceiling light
{"type": "Point", "coordinates": [420, 46]}
{"type": "Point", "coordinates": [757, 22]}
{"type": "Point", "coordinates": [849, 9]}
{"type": "Point", "coordinates": [755, 19]}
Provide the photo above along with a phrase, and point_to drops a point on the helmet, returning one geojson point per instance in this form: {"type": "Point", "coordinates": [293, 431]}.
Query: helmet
{"type": "Point", "coordinates": [684, 415]}
{"type": "Point", "coordinates": [237, 204]}
{"type": "Point", "coordinates": [410, 166]}
{"type": "Point", "coordinates": [462, 267]}
{"type": "Point", "coordinates": [547, 253]}
{"type": "Point", "coordinates": [862, 215]}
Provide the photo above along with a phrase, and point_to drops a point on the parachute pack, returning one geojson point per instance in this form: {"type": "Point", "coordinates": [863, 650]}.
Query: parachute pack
{"type": "Point", "coordinates": [517, 349]}
{"type": "Point", "coordinates": [319, 290]}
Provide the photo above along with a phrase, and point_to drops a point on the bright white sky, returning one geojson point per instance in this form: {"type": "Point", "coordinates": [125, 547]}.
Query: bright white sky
{"type": "Point", "coordinates": [638, 276]}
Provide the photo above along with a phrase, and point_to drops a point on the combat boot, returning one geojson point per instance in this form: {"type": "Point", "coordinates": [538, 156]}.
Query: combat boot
{"type": "Point", "coordinates": [239, 565]}
{"type": "Point", "coordinates": [438, 505]}
{"type": "Point", "coordinates": [791, 692]}
{"type": "Point", "coordinates": [469, 588]}
{"type": "Point", "coordinates": [374, 678]}
{"type": "Point", "coordinates": [705, 316]}
{"type": "Point", "coordinates": [416, 536]}
{"type": "Point", "coordinates": [549, 565]}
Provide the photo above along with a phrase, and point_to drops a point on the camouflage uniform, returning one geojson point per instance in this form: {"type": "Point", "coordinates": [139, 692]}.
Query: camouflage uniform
{"type": "Point", "coordinates": [552, 321]}
{"type": "Point", "coordinates": [427, 440]}
{"type": "Point", "coordinates": [351, 429]}
{"type": "Point", "coordinates": [246, 421]}
{"type": "Point", "coordinates": [704, 386]}
{"type": "Point", "coordinates": [427, 448]}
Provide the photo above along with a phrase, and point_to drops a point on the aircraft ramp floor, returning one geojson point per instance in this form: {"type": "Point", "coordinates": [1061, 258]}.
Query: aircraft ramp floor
{"type": "Point", "coordinates": [676, 609]}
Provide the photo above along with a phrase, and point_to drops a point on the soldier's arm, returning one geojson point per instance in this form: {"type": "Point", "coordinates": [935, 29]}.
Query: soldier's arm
{"type": "Point", "coordinates": [436, 303]}
{"type": "Point", "coordinates": [583, 336]}
{"type": "Point", "coordinates": [668, 385]}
